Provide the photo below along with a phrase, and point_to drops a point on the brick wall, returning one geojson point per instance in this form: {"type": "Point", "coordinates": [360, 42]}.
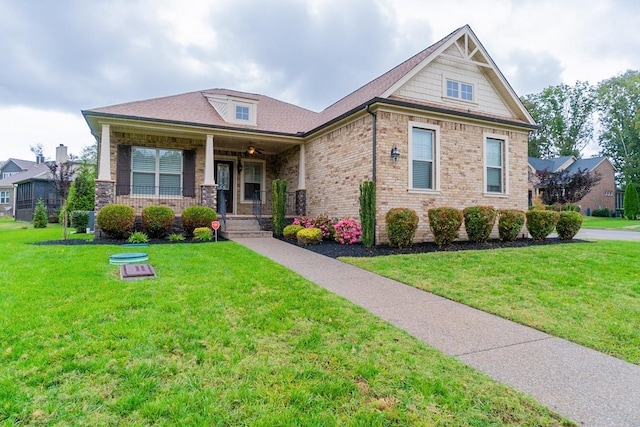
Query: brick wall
{"type": "Point", "coordinates": [603, 194]}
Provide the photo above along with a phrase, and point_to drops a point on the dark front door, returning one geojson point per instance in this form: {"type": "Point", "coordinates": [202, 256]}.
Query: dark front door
{"type": "Point", "coordinates": [224, 179]}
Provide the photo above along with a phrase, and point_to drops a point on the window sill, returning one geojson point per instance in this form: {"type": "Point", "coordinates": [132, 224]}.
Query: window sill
{"type": "Point", "coordinates": [250, 202]}
{"type": "Point", "coordinates": [497, 195]}
{"type": "Point", "coordinates": [460, 100]}
{"type": "Point", "coordinates": [419, 191]}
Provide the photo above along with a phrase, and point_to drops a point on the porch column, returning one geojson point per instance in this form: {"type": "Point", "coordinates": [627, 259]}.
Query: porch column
{"type": "Point", "coordinates": [301, 192]}
{"type": "Point", "coordinates": [104, 162]}
{"type": "Point", "coordinates": [209, 178]}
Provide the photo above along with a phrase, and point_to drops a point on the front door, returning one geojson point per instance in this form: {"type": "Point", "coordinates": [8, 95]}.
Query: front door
{"type": "Point", "coordinates": [224, 179]}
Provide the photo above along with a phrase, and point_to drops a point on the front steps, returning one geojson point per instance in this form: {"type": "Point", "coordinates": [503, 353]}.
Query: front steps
{"type": "Point", "coordinates": [242, 227]}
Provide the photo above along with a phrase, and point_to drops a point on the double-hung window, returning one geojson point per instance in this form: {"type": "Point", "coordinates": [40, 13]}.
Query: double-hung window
{"type": "Point", "coordinates": [423, 151]}
{"type": "Point", "coordinates": [156, 171]}
{"type": "Point", "coordinates": [253, 179]}
{"type": "Point", "coordinates": [459, 90]}
{"type": "Point", "coordinates": [4, 197]}
{"type": "Point", "coordinates": [495, 164]}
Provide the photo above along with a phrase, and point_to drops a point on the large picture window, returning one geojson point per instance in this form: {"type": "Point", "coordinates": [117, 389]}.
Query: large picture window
{"type": "Point", "coordinates": [495, 165]}
{"type": "Point", "coordinates": [253, 179]}
{"type": "Point", "coordinates": [423, 152]}
{"type": "Point", "coordinates": [156, 171]}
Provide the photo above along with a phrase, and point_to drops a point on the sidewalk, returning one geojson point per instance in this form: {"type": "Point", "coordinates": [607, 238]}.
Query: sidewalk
{"type": "Point", "coordinates": [584, 385]}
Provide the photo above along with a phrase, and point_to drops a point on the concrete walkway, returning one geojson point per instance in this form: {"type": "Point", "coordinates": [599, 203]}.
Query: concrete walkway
{"type": "Point", "coordinates": [584, 385]}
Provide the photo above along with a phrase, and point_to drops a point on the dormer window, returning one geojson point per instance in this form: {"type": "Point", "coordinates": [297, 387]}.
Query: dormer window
{"type": "Point", "coordinates": [459, 90]}
{"type": "Point", "coordinates": [242, 113]}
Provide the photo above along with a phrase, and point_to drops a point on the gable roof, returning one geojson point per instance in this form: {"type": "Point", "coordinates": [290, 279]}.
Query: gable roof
{"type": "Point", "coordinates": [39, 171]}
{"type": "Point", "coordinates": [278, 117]}
{"type": "Point", "coordinates": [22, 164]}
{"type": "Point", "coordinates": [570, 163]}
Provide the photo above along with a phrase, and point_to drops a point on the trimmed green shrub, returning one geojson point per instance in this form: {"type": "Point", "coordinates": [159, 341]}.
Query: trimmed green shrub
{"type": "Point", "coordinates": [368, 212]}
{"type": "Point", "coordinates": [568, 225]}
{"type": "Point", "coordinates": [325, 224]}
{"type": "Point", "coordinates": [40, 215]}
{"type": "Point", "coordinates": [478, 222]}
{"type": "Point", "coordinates": [445, 224]}
{"type": "Point", "coordinates": [290, 231]}
{"type": "Point", "coordinates": [279, 202]}
{"type": "Point", "coordinates": [138, 237]}
{"type": "Point", "coordinates": [510, 222]}
{"type": "Point", "coordinates": [80, 220]}
{"type": "Point", "coordinates": [176, 237]}
{"type": "Point", "coordinates": [571, 208]}
{"type": "Point", "coordinates": [157, 220]}
{"type": "Point", "coordinates": [401, 225]}
{"type": "Point", "coordinates": [541, 223]}
{"type": "Point", "coordinates": [309, 236]}
{"type": "Point", "coordinates": [197, 216]}
{"type": "Point", "coordinates": [602, 213]}
{"type": "Point", "coordinates": [202, 234]}
{"type": "Point", "coordinates": [116, 221]}
{"type": "Point", "coordinates": [631, 204]}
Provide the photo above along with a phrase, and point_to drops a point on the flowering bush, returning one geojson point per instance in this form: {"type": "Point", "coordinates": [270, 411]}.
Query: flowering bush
{"type": "Point", "coordinates": [325, 224]}
{"type": "Point", "coordinates": [347, 231]}
{"type": "Point", "coordinates": [303, 221]}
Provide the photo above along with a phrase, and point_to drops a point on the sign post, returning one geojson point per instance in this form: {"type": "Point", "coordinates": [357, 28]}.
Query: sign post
{"type": "Point", "coordinates": [215, 225]}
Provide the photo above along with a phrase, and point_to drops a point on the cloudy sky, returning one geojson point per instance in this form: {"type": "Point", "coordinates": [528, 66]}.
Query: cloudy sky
{"type": "Point", "coordinates": [60, 57]}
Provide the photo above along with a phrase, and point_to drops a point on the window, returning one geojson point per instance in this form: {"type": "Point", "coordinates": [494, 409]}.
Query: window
{"type": "Point", "coordinates": [4, 197]}
{"type": "Point", "coordinates": [8, 174]}
{"type": "Point", "coordinates": [253, 177]}
{"type": "Point", "coordinates": [156, 171]}
{"type": "Point", "coordinates": [495, 161]}
{"type": "Point", "coordinates": [459, 90]}
{"type": "Point", "coordinates": [242, 113]}
{"type": "Point", "coordinates": [423, 153]}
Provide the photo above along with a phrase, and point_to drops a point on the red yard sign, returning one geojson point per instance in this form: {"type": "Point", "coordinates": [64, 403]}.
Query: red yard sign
{"type": "Point", "coordinates": [215, 225]}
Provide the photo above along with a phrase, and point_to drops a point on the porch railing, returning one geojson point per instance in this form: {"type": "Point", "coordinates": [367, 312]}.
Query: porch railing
{"type": "Point", "coordinates": [263, 205]}
{"type": "Point", "coordinates": [141, 196]}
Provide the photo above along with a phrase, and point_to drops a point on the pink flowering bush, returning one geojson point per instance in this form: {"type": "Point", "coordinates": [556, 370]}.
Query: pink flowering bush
{"type": "Point", "coordinates": [325, 224]}
{"type": "Point", "coordinates": [347, 231]}
{"type": "Point", "coordinates": [303, 221]}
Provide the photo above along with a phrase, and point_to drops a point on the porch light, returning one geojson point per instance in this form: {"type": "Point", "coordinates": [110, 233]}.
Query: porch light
{"type": "Point", "coordinates": [395, 153]}
{"type": "Point", "coordinates": [251, 149]}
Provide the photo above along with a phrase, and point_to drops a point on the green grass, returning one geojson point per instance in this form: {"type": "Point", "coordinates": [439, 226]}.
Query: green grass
{"type": "Point", "coordinates": [610, 223]}
{"type": "Point", "coordinates": [588, 293]}
{"type": "Point", "coordinates": [221, 337]}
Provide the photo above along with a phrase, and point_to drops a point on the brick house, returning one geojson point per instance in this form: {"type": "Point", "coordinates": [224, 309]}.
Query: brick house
{"type": "Point", "coordinates": [443, 128]}
{"type": "Point", "coordinates": [601, 196]}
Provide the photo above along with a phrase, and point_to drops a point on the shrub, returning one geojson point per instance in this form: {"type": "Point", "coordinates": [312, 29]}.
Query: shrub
{"type": "Point", "coordinates": [176, 237]}
{"type": "Point", "coordinates": [510, 222]}
{"type": "Point", "coordinates": [325, 224]}
{"type": "Point", "coordinates": [445, 224]}
{"type": "Point", "coordinates": [278, 202]}
{"type": "Point", "coordinates": [202, 234]}
{"type": "Point", "coordinates": [541, 223]}
{"type": "Point", "coordinates": [602, 212]}
{"type": "Point", "coordinates": [568, 225]}
{"type": "Point", "coordinates": [572, 208]}
{"type": "Point", "coordinates": [401, 224]}
{"type": "Point", "coordinates": [347, 231]}
{"type": "Point", "coordinates": [303, 221]}
{"type": "Point", "coordinates": [157, 220]}
{"type": "Point", "coordinates": [138, 237]}
{"type": "Point", "coordinates": [290, 231]}
{"type": "Point", "coordinates": [478, 222]}
{"type": "Point", "coordinates": [368, 212]}
{"type": "Point", "coordinates": [116, 221]}
{"type": "Point", "coordinates": [631, 204]}
{"type": "Point", "coordinates": [80, 221]}
{"type": "Point", "coordinates": [309, 236]}
{"type": "Point", "coordinates": [40, 215]}
{"type": "Point", "coordinates": [196, 217]}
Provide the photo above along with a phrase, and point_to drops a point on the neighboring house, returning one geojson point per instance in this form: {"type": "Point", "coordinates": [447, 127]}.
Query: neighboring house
{"type": "Point", "coordinates": [602, 195]}
{"type": "Point", "coordinates": [9, 174]}
{"type": "Point", "coordinates": [444, 128]}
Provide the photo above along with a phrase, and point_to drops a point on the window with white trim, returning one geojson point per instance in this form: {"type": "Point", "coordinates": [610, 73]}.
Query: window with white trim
{"type": "Point", "coordinates": [156, 171]}
{"type": "Point", "coordinates": [423, 156]}
{"type": "Point", "coordinates": [8, 174]}
{"type": "Point", "coordinates": [242, 112]}
{"type": "Point", "coordinates": [252, 179]}
{"type": "Point", "coordinates": [495, 161]}
{"type": "Point", "coordinates": [4, 197]}
{"type": "Point", "coordinates": [459, 90]}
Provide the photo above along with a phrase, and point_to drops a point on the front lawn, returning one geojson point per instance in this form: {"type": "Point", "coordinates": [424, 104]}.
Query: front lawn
{"type": "Point", "coordinates": [588, 293]}
{"type": "Point", "coordinates": [610, 223]}
{"type": "Point", "coordinates": [221, 337]}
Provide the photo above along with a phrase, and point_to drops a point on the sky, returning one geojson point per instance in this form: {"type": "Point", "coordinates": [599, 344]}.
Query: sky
{"type": "Point", "coordinates": [60, 57]}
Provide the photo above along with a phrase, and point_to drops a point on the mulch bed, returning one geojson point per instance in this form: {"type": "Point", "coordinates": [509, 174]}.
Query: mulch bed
{"type": "Point", "coordinates": [334, 250]}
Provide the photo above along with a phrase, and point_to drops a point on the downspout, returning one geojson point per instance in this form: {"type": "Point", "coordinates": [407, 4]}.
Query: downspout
{"type": "Point", "coordinates": [374, 132]}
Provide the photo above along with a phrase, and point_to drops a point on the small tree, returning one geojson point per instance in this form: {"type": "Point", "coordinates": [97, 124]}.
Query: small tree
{"type": "Point", "coordinates": [62, 177]}
{"type": "Point", "coordinates": [279, 202]}
{"type": "Point", "coordinates": [40, 215]}
{"type": "Point", "coordinates": [631, 204]}
{"type": "Point", "coordinates": [368, 212]}
{"type": "Point", "coordinates": [565, 187]}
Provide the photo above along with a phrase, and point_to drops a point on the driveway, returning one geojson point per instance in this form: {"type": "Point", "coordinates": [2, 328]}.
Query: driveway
{"type": "Point", "coordinates": [591, 233]}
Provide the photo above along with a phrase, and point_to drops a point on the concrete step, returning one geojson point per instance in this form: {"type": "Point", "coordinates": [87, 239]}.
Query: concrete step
{"type": "Point", "coordinates": [242, 224]}
{"type": "Point", "coordinates": [239, 234]}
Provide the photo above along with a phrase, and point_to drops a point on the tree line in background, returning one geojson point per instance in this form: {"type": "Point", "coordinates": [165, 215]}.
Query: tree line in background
{"type": "Point", "coordinates": [571, 117]}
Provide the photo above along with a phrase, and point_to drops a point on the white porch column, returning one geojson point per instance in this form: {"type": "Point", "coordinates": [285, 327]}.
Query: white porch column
{"type": "Point", "coordinates": [209, 177]}
{"type": "Point", "coordinates": [302, 173]}
{"type": "Point", "coordinates": [104, 161]}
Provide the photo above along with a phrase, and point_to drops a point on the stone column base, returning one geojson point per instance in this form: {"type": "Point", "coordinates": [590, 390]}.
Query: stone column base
{"type": "Point", "coordinates": [301, 202]}
{"type": "Point", "coordinates": [105, 195]}
{"type": "Point", "coordinates": [209, 196]}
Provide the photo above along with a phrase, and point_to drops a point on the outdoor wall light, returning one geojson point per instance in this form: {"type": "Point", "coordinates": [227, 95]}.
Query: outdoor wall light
{"type": "Point", "coordinates": [251, 149]}
{"type": "Point", "coordinates": [395, 153]}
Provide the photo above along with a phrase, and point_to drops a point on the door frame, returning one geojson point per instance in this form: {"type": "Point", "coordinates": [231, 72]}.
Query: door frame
{"type": "Point", "coordinates": [234, 170]}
